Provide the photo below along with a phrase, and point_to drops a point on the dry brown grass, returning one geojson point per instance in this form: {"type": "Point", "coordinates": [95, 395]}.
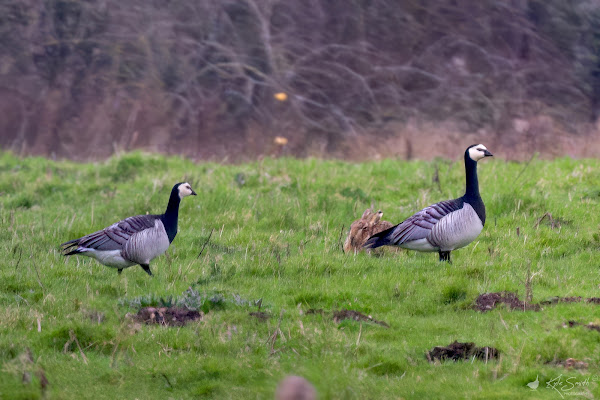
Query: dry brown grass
{"type": "Point", "coordinates": [427, 140]}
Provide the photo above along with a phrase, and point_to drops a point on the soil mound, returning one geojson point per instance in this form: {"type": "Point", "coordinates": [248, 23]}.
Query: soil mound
{"type": "Point", "coordinates": [488, 301]}
{"type": "Point", "coordinates": [168, 316]}
{"type": "Point", "coordinates": [461, 351]}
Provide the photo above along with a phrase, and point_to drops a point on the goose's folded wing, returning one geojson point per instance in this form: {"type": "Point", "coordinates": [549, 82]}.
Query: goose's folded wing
{"type": "Point", "coordinates": [115, 236]}
{"type": "Point", "coordinates": [419, 225]}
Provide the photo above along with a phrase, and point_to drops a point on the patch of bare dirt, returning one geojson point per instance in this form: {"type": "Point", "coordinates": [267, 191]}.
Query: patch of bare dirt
{"type": "Point", "coordinates": [556, 300]}
{"type": "Point", "coordinates": [488, 301]}
{"type": "Point", "coordinates": [339, 316]}
{"type": "Point", "coordinates": [260, 315]}
{"type": "Point", "coordinates": [570, 363]}
{"type": "Point", "coordinates": [461, 351]}
{"type": "Point", "coordinates": [591, 326]}
{"type": "Point", "coordinates": [573, 299]}
{"type": "Point", "coordinates": [168, 316]}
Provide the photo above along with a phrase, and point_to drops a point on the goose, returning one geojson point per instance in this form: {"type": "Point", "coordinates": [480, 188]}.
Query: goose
{"type": "Point", "coordinates": [444, 226]}
{"type": "Point", "coordinates": [134, 240]}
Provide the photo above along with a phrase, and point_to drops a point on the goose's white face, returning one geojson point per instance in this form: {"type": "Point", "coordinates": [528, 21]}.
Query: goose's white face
{"type": "Point", "coordinates": [479, 151]}
{"type": "Point", "coordinates": [185, 190]}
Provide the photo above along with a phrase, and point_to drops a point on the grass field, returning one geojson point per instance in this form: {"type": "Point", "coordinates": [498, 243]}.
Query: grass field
{"type": "Point", "coordinates": [278, 226]}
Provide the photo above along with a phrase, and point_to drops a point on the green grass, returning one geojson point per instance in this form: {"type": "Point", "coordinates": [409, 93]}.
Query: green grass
{"type": "Point", "coordinates": [277, 227]}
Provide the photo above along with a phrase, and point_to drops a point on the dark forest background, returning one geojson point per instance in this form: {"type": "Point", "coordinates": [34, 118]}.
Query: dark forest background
{"type": "Point", "coordinates": [82, 79]}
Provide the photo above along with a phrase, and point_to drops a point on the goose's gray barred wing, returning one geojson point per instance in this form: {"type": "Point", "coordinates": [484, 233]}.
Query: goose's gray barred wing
{"type": "Point", "coordinates": [115, 236]}
{"type": "Point", "coordinates": [419, 225]}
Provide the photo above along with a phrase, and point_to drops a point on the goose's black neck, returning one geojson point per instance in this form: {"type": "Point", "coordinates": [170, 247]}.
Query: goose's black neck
{"type": "Point", "coordinates": [472, 184]}
{"type": "Point", "coordinates": [169, 218]}
{"type": "Point", "coordinates": [472, 195]}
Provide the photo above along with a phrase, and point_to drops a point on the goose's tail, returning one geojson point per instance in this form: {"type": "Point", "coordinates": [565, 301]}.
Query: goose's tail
{"type": "Point", "coordinates": [71, 247]}
{"type": "Point", "coordinates": [382, 238]}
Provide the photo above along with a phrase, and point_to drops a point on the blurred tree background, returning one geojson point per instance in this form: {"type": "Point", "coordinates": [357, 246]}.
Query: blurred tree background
{"type": "Point", "coordinates": [362, 78]}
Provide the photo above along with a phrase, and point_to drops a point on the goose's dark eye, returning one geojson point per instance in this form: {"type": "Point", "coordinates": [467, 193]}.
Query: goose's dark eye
{"type": "Point", "coordinates": [480, 149]}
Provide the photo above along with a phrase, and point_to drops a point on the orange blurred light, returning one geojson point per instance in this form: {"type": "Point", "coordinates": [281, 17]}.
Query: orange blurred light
{"type": "Point", "coordinates": [280, 140]}
{"type": "Point", "coordinates": [281, 96]}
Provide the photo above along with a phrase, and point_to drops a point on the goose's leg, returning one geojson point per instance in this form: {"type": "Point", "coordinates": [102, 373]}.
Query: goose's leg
{"type": "Point", "coordinates": [445, 256]}
{"type": "Point", "coordinates": [146, 268]}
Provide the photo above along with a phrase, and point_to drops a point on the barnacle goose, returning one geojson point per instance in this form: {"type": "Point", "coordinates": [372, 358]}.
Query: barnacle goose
{"type": "Point", "coordinates": [134, 240]}
{"type": "Point", "coordinates": [444, 226]}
